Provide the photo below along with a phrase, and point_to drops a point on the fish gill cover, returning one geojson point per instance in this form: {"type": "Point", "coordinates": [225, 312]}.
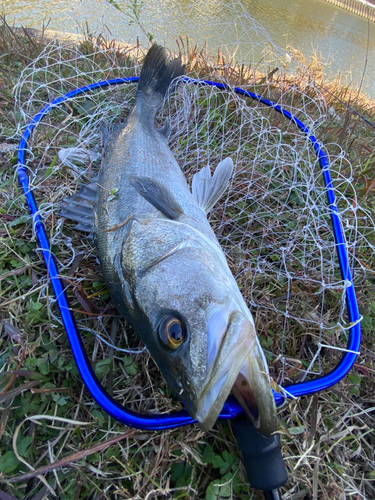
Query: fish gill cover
{"type": "Point", "coordinates": [273, 222]}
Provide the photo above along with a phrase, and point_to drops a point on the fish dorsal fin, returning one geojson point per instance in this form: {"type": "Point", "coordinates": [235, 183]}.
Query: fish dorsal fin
{"type": "Point", "coordinates": [79, 207]}
{"type": "Point", "coordinates": [206, 189]}
{"type": "Point", "coordinates": [157, 195]}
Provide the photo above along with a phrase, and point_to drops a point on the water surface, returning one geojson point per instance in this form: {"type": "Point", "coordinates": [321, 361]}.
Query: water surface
{"type": "Point", "coordinates": [342, 39]}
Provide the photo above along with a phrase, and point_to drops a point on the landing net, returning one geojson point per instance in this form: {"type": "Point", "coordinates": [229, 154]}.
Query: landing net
{"type": "Point", "coordinates": [273, 222]}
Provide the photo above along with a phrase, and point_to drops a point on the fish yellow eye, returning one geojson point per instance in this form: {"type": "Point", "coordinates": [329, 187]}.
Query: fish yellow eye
{"type": "Point", "coordinates": [172, 332]}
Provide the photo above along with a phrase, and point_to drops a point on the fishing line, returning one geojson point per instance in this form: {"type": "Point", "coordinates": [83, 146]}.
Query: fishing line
{"type": "Point", "coordinates": [231, 408]}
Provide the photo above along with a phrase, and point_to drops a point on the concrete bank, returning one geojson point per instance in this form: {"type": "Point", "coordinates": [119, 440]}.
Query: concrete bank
{"type": "Point", "coordinates": [364, 9]}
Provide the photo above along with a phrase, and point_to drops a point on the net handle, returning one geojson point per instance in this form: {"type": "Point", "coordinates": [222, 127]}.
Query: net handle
{"type": "Point", "coordinates": [231, 408]}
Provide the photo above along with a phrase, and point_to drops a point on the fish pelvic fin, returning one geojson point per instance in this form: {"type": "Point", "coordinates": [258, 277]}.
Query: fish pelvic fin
{"type": "Point", "coordinates": [206, 189]}
{"type": "Point", "coordinates": [157, 75]}
{"type": "Point", "coordinates": [79, 207]}
{"type": "Point", "coordinates": [156, 194]}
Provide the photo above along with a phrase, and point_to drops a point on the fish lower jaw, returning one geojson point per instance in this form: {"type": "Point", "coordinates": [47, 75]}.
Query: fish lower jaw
{"type": "Point", "coordinates": [207, 409]}
{"type": "Point", "coordinates": [208, 405]}
{"type": "Point", "coordinates": [255, 397]}
{"type": "Point", "coordinates": [244, 373]}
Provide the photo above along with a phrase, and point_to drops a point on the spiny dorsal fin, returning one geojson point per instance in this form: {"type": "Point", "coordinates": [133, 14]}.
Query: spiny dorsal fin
{"type": "Point", "coordinates": [206, 189]}
{"type": "Point", "coordinates": [79, 207]}
{"type": "Point", "coordinates": [157, 195]}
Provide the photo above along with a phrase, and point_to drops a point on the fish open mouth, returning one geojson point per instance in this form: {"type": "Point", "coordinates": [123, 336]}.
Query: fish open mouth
{"type": "Point", "coordinates": [236, 364]}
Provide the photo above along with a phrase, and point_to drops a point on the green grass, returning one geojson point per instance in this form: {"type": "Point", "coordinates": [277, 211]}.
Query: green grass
{"type": "Point", "coordinates": [327, 439]}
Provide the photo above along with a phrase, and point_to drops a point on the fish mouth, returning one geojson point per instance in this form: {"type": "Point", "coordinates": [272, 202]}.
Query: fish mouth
{"type": "Point", "coordinates": [237, 364]}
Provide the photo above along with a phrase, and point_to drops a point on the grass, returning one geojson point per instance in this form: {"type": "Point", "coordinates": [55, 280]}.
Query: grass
{"type": "Point", "coordinates": [50, 423]}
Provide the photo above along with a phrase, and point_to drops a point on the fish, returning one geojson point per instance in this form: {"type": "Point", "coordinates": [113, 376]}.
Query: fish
{"type": "Point", "coordinates": [162, 262]}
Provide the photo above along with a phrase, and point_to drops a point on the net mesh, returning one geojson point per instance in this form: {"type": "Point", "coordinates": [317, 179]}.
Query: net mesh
{"type": "Point", "coordinates": [273, 222]}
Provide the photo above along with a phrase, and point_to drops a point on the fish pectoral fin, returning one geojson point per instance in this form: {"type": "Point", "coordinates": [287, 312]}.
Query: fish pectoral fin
{"type": "Point", "coordinates": [206, 189]}
{"type": "Point", "coordinates": [166, 129]}
{"type": "Point", "coordinates": [79, 207]}
{"type": "Point", "coordinates": [104, 131]}
{"type": "Point", "coordinates": [156, 194]}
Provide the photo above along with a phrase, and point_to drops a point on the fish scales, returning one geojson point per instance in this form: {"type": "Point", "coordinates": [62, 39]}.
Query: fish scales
{"type": "Point", "coordinates": [137, 148]}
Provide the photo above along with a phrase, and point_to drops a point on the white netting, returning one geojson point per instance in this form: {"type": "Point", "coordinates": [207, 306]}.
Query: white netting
{"type": "Point", "coordinates": [273, 223]}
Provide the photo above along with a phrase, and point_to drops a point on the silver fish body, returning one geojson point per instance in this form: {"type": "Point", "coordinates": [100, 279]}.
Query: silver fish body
{"type": "Point", "coordinates": [164, 267]}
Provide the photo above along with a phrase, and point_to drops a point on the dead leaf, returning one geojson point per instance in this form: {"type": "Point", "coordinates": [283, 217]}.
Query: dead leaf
{"type": "Point", "coordinates": [26, 373]}
{"type": "Point", "coordinates": [14, 392]}
{"type": "Point", "coordinates": [13, 332]}
{"type": "Point", "coordinates": [114, 228]}
{"type": "Point", "coordinates": [83, 302]}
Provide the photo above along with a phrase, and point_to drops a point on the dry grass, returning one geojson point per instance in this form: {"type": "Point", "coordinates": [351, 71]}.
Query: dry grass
{"type": "Point", "coordinates": [328, 440]}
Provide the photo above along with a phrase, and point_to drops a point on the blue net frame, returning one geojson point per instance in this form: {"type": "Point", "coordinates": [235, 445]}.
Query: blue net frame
{"type": "Point", "coordinates": [231, 408]}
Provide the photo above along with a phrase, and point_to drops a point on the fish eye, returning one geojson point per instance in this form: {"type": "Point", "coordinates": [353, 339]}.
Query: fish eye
{"type": "Point", "coordinates": [172, 332]}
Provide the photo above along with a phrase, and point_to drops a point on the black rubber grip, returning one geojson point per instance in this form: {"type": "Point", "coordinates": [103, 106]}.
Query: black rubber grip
{"type": "Point", "coordinates": [262, 457]}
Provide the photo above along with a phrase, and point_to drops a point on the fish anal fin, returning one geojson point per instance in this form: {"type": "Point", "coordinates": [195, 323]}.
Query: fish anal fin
{"type": "Point", "coordinates": [206, 189]}
{"type": "Point", "coordinates": [157, 195]}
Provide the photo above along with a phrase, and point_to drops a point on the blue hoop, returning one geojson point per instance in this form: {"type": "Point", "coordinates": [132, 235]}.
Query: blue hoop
{"type": "Point", "coordinates": [231, 408]}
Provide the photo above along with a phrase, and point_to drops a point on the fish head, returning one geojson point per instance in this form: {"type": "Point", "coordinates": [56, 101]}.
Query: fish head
{"type": "Point", "coordinates": [202, 336]}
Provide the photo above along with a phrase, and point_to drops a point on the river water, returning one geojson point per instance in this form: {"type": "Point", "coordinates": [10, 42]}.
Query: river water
{"type": "Point", "coordinates": [346, 42]}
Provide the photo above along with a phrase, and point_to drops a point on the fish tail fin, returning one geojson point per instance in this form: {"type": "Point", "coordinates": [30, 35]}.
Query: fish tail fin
{"type": "Point", "coordinates": [157, 75]}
